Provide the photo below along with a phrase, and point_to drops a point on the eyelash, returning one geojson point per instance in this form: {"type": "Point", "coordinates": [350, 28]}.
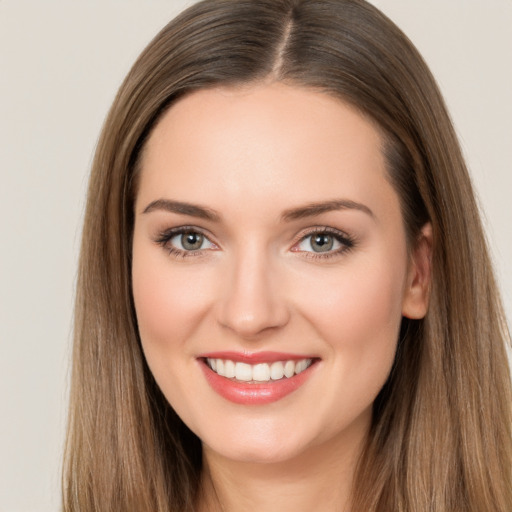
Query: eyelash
{"type": "Point", "coordinates": [347, 242]}
{"type": "Point", "coordinates": [166, 236]}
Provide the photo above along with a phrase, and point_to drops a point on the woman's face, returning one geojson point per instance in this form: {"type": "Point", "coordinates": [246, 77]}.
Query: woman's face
{"type": "Point", "coordinates": [269, 245]}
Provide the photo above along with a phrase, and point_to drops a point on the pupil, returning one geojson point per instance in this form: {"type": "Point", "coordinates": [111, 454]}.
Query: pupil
{"type": "Point", "coordinates": [191, 241]}
{"type": "Point", "coordinates": [322, 242]}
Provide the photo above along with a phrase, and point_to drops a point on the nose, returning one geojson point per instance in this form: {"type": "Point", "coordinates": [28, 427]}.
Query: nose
{"type": "Point", "coordinates": [252, 299]}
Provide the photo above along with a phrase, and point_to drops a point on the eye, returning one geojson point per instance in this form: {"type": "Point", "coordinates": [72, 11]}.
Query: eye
{"type": "Point", "coordinates": [319, 242]}
{"type": "Point", "coordinates": [325, 242]}
{"type": "Point", "coordinates": [190, 241]}
{"type": "Point", "coordinates": [184, 241]}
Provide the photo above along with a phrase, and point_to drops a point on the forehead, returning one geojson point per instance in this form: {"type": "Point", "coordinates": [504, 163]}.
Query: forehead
{"type": "Point", "coordinates": [274, 143]}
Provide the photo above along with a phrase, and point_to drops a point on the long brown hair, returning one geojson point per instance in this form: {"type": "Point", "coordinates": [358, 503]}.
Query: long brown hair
{"type": "Point", "coordinates": [441, 436]}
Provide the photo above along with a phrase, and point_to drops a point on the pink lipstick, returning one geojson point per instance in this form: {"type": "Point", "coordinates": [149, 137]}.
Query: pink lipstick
{"type": "Point", "coordinates": [255, 378]}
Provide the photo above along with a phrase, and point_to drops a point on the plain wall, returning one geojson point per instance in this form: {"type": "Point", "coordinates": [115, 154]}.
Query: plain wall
{"type": "Point", "coordinates": [60, 66]}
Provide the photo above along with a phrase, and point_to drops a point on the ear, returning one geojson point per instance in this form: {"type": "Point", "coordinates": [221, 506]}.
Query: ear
{"type": "Point", "coordinates": [419, 276]}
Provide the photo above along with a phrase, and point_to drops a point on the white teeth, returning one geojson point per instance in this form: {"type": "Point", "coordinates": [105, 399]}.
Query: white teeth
{"type": "Point", "coordinates": [229, 369]}
{"type": "Point", "coordinates": [289, 369]}
{"type": "Point", "coordinates": [301, 366]}
{"type": "Point", "coordinates": [276, 370]}
{"type": "Point", "coordinates": [261, 372]}
{"type": "Point", "coordinates": [243, 371]}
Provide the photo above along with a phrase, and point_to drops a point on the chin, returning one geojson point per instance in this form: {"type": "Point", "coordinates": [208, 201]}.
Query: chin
{"type": "Point", "coordinates": [261, 447]}
{"type": "Point", "coordinates": [250, 454]}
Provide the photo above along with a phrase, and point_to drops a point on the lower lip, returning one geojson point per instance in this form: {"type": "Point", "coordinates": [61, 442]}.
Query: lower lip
{"type": "Point", "coordinates": [254, 394]}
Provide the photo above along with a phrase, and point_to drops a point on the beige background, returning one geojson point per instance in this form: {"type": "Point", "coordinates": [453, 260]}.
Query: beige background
{"type": "Point", "coordinates": [60, 65]}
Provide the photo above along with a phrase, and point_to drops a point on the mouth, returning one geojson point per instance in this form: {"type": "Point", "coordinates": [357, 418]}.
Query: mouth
{"type": "Point", "coordinates": [256, 379]}
{"type": "Point", "coordinates": [260, 372]}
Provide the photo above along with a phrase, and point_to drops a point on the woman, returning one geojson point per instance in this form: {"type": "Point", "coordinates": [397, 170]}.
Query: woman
{"type": "Point", "coordinates": [285, 299]}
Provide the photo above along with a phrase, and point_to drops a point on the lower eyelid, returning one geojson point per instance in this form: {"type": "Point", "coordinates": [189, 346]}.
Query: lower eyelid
{"type": "Point", "coordinates": [337, 242]}
{"type": "Point", "coordinates": [165, 237]}
{"type": "Point", "coordinates": [343, 243]}
{"type": "Point", "coordinates": [328, 255]}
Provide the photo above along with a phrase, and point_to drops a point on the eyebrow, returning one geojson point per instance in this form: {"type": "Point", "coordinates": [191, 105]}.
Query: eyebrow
{"type": "Point", "coordinates": [314, 209]}
{"type": "Point", "coordinates": [309, 210]}
{"type": "Point", "coordinates": [193, 210]}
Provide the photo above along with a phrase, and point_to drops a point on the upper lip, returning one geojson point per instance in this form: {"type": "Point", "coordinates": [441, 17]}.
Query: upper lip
{"type": "Point", "coordinates": [255, 357]}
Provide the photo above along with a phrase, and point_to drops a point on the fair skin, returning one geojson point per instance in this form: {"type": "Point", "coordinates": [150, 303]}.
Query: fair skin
{"type": "Point", "coordinates": [259, 271]}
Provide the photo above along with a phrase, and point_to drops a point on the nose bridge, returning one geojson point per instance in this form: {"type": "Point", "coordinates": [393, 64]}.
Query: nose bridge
{"type": "Point", "coordinates": [253, 301]}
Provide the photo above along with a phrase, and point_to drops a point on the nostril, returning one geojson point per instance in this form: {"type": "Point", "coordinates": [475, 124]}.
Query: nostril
{"type": "Point", "coordinates": [252, 318]}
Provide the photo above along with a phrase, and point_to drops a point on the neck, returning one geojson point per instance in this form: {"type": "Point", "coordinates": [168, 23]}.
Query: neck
{"type": "Point", "coordinates": [320, 478]}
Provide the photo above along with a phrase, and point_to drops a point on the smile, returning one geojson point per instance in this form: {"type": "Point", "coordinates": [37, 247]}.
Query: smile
{"type": "Point", "coordinates": [261, 372]}
{"type": "Point", "coordinates": [256, 379]}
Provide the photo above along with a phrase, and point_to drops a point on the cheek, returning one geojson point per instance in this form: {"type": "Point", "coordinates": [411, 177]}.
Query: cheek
{"type": "Point", "coordinates": [359, 311]}
{"type": "Point", "coordinates": [359, 319]}
{"type": "Point", "coordinates": [169, 303]}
